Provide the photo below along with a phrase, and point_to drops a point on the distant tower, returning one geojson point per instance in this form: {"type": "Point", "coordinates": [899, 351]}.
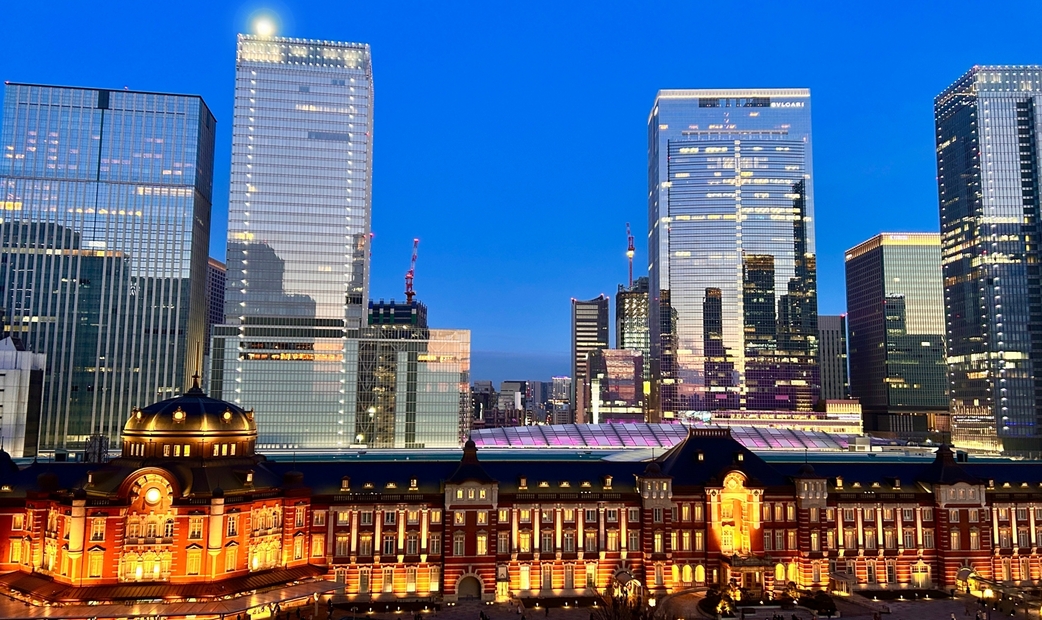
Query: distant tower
{"type": "Point", "coordinates": [589, 333]}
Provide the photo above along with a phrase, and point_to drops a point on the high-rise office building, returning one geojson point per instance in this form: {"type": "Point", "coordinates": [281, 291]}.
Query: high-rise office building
{"type": "Point", "coordinates": [832, 357]}
{"type": "Point", "coordinates": [560, 396]}
{"type": "Point", "coordinates": [21, 396]}
{"type": "Point", "coordinates": [216, 281]}
{"type": "Point", "coordinates": [103, 247]}
{"type": "Point", "coordinates": [895, 314]}
{"type": "Point", "coordinates": [589, 333]}
{"type": "Point", "coordinates": [413, 381]}
{"type": "Point", "coordinates": [615, 387]}
{"type": "Point", "coordinates": [988, 145]}
{"type": "Point", "coordinates": [298, 233]}
{"type": "Point", "coordinates": [732, 264]}
{"type": "Point", "coordinates": [632, 329]}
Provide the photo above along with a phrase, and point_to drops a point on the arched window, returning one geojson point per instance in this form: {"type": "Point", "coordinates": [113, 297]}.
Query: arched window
{"type": "Point", "coordinates": [685, 574]}
{"type": "Point", "coordinates": [779, 572]}
{"type": "Point", "coordinates": [675, 574]}
{"type": "Point", "coordinates": [700, 574]}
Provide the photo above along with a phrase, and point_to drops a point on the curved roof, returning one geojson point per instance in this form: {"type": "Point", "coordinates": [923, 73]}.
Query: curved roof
{"type": "Point", "coordinates": [193, 413]}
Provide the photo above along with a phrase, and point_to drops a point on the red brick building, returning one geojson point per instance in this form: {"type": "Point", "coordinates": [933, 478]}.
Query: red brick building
{"type": "Point", "coordinates": [190, 511]}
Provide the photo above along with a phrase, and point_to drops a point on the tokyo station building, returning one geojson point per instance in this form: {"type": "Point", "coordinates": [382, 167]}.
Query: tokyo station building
{"type": "Point", "coordinates": [189, 511]}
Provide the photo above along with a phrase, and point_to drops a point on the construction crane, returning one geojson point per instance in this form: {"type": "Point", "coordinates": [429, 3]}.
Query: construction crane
{"type": "Point", "coordinates": [630, 251]}
{"type": "Point", "coordinates": [409, 275]}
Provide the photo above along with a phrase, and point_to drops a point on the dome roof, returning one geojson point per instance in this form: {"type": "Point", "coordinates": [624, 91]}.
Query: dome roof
{"type": "Point", "coordinates": [191, 414]}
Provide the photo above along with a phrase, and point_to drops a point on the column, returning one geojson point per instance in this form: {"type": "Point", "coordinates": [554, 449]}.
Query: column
{"type": "Point", "coordinates": [378, 547]}
{"type": "Point", "coordinates": [425, 515]}
{"type": "Point", "coordinates": [898, 519]}
{"type": "Point", "coordinates": [513, 529]}
{"type": "Point", "coordinates": [558, 525]}
{"type": "Point", "coordinates": [860, 527]}
{"type": "Point", "coordinates": [77, 527]}
{"type": "Point", "coordinates": [879, 526]}
{"type": "Point", "coordinates": [995, 526]}
{"type": "Point", "coordinates": [215, 535]}
{"type": "Point", "coordinates": [401, 530]}
{"type": "Point", "coordinates": [354, 532]}
{"type": "Point", "coordinates": [919, 527]}
{"type": "Point", "coordinates": [601, 532]}
{"type": "Point", "coordinates": [1031, 524]}
{"type": "Point", "coordinates": [1014, 539]}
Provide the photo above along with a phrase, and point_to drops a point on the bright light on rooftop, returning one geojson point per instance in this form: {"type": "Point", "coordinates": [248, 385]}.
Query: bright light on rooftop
{"type": "Point", "coordinates": [264, 26]}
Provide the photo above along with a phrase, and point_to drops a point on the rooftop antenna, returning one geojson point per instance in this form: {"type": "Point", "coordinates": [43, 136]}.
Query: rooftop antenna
{"type": "Point", "coordinates": [630, 251]}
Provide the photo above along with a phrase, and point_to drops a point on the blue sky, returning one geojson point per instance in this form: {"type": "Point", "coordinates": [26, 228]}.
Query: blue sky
{"type": "Point", "coordinates": [511, 137]}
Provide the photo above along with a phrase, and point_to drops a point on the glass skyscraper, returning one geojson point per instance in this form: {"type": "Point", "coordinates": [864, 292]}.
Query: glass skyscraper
{"type": "Point", "coordinates": [732, 264]}
{"type": "Point", "coordinates": [832, 357]}
{"type": "Point", "coordinates": [104, 239]}
{"type": "Point", "coordinates": [631, 320]}
{"type": "Point", "coordinates": [988, 144]}
{"type": "Point", "coordinates": [895, 313]}
{"type": "Point", "coordinates": [298, 238]}
{"type": "Point", "coordinates": [589, 333]}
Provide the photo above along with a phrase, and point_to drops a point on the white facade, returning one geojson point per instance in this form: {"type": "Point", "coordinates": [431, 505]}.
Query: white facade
{"type": "Point", "coordinates": [16, 382]}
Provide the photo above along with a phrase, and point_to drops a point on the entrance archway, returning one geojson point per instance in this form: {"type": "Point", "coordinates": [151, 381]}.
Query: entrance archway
{"type": "Point", "coordinates": [468, 587]}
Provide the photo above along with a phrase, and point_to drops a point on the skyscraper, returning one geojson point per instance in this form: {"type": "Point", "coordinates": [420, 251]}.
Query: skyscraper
{"type": "Point", "coordinates": [615, 386]}
{"type": "Point", "coordinates": [298, 232]}
{"type": "Point", "coordinates": [988, 145]}
{"type": "Point", "coordinates": [632, 329]}
{"type": "Point", "coordinates": [589, 332]}
{"type": "Point", "coordinates": [895, 313]}
{"type": "Point", "coordinates": [732, 264]}
{"type": "Point", "coordinates": [413, 381]}
{"type": "Point", "coordinates": [832, 357]}
{"type": "Point", "coordinates": [103, 247]}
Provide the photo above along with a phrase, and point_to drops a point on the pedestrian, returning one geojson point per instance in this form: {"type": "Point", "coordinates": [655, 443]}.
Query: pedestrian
{"type": "Point", "coordinates": [547, 611]}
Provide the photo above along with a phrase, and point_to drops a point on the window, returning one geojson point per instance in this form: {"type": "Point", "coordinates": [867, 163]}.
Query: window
{"type": "Point", "coordinates": [319, 517]}
{"type": "Point", "coordinates": [1004, 538]}
{"type": "Point", "coordinates": [435, 544]}
{"type": "Point", "coordinates": [909, 538]}
{"type": "Point", "coordinates": [870, 514]}
{"type": "Point", "coordinates": [366, 517]}
{"type": "Point", "coordinates": [410, 579]}
{"type": "Point", "coordinates": [299, 514]}
{"type": "Point", "coordinates": [195, 557]}
{"type": "Point", "coordinates": [974, 539]}
{"type": "Point", "coordinates": [458, 545]}
{"type": "Point", "coordinates": [871, 570]}
{"type": "Point", "coordinates": [233, 525]}
{"type": "Point", "coordinates": [569, 542]}
{"type": "Point", "coordinates": [526, 577]}
{"type": "Point", "coordinates": [779, 540]}
{"type": "Point", "coordinates": [685, 512]}
{"type": "Point", "coordinates": [660, 577]}
{"type": "Point", "coordinates": [928, 514]}
{"type": "Point", "coordinates": [972, 515]}
{"type": "Point", "coordinates": [504, 515]}
{"type": "Point", "coordinates": [18, 522]}
{"type": "Point", "coordinates": [298, 547]}
{"type": "Point", "coordinates": [548, 577]}
{"type": "Point", "coordinates": [612, 515]}
{"type": "Point", "coordinates": [436, 516]}
{"type": "Point", "coordinates": [850, 539]}
{"type": "Point", "coordinates": [546, 541]}
{"type": "Point", "coordinates": [1003, 514]}
{"type": "Point", "coordinates": [848, 515]}
{"type": "Point", "coordinates": [699, 513]}
{"type": "Point", "coordinates": [634, 542]}
{"type": "Point", "coordinates": [569, 576]}
{"type": "Point", "coordinates": [955, 540]}
{"type": "Point", "coordinates": [363, 581]}
{"type": "Point", "coordinates": [569, 515]}
{"type": "Point", "coordinates": [482, 517]}
{"type": "Point", "coordinates": [343, 545]}
{"type": "Point", "coordinates": [1023, 539]}
{"type": "Point", "coordinates": [889, 539]}
{"type": "Point", "coordinates": [435, 579]}
{"type": "Point", "coordinates": [96, 562]}
{"type": "Point", "coordinates": [766, 517]}
{"type": "Point", "coordinates": [700, 541]}
{"type": "Point", "coordinates": [685, 541]}
{"type": "Point", "coordinates": [673, 514]}
{"type": "Point", "coordinates": [891, 572]}
{"type": "Point", "coordinates": [503, 542]}
{"type": "Point", "coordinates": [231, 558]}
{"type": "Point", "coordinates": [412, 543]}
{"type": "Point", "coordinates": [634, 515]}
{"type": "Point", "coordinates": [907, 515]}
{"type": "Point", "coordinates": [657, 515]}
{"type": "Point", "coordinates": [815, 541]}
{"type": "Point", "coordinates": [830, 539]}
{"type": "Point", "coordinates": [482, 541]}
{"type": "Point", "coordinates": [168, 529]}
{"type": "Point", "coordinates": [658, 543]}
{"type": "Point", "coordinates": [768, 540]}
{"type": "Point", "coordinates": [390, 517]}
{"type": "Point", "coordinates": [814, 518]}
{"type": "Point", "coordinates": [388, 579]}
{"type": "Point", "coordinates": [591, 516]}
{"type": "Point", "coordinates": [590, 541]}
{"type": "Point", "coordinates": [673, 540]}
{"type": "Point", "coordinates": [613, 540]}
{"type": "Point", "coordinates": [790, 538]}
{"type": "Point", "coordinates": [546, 516]}
{"type": "Point", "coordinates": [953, 515]}
{"type": "Point", "coordinates": [591, 575]}
{"type": "Point", "coordinates": [388, 546]}
{"type": "Point", "coordinates": [343, 517]}
{"type": "Point", "coordinates": [928, 542]}
{"type": "Point", "coordinates": [524, 542]}
{"type": "Point", "coordinates": [888, 514]}
{"type": "Point", "coordinates": [318, 546]}
{"type": "Point", "coordinates": [870, 539]}
{"type": "Point", "coordinates": [459, 517]}
{"type": "Point", "coordinates": [97, 530]}
{"type": "Point", "coordinates": [16, 551]}
{"type": "Point", "coordinates": [525, 515]}
{"type": "Point", "coordinates": [365, 545]}
{"type": "Point", "coordinates": [790, 512]}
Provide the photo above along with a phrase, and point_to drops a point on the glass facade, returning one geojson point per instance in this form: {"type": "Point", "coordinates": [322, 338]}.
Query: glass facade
{"type": "Point", "coordinates": [616, 386]}
{"type": "Point", "coordinates": [589, 333]}
{"type": "Point", "coordinates": [731, 246]}
{"type": "Point", "coordinates": [895, 312]}
{"type": "Point", "coordinates": [298, 236]}
{"type": "Point", "coordinates": [988, 142]}
{"type": "Point", "coordinates": [413, 382]}
{"type": "Point", "coordinates": [104, 239]}
{"type": "Point", "coordinates": [632, 330]}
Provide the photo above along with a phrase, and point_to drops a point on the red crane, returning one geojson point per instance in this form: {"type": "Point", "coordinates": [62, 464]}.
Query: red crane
{"type": "Point", "coordinates": [409, 275]}
{"type": "Point", "coordinates": [630, 251]}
